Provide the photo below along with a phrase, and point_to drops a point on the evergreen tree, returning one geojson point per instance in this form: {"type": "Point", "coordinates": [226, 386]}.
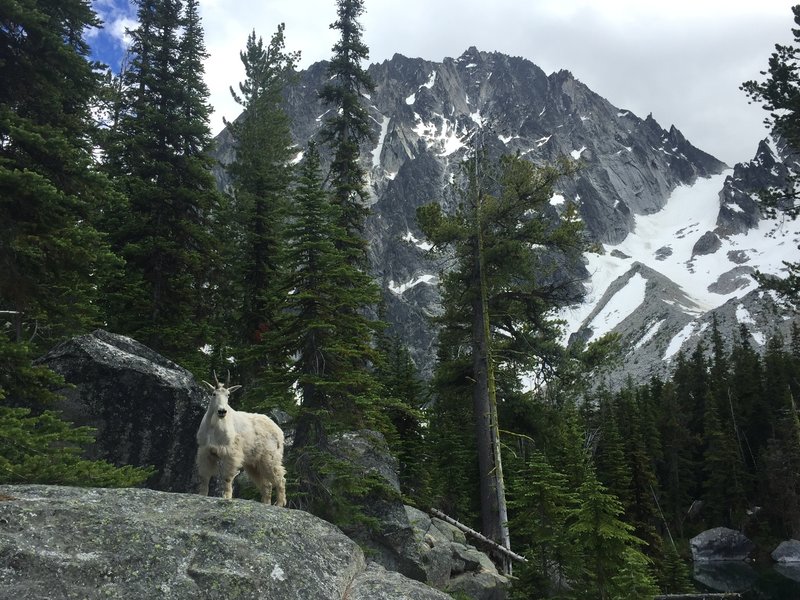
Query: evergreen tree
{"type": "Point", "coordinates": [673, 573]}
{"type": "Point", "coordinates": [747, 395]}
{"type": "Point", "coordinates": [454, 468]}
{"type": "Point", "coordinates": [349, 125]}
{"type": "Point", "coordinates": [782, 470]}
{"type": "Point", "coordinates": [335, 338]}
{"type": "Point", "coordinates": [724, 482]}
{"type": "Point", "coordinates": [52, 260]}
{"type": "Point", "coordinates": [614, 567]}
{"type": "Point", "coordinates": [331, 344]}
{"type": "Point", "coordinates": [691, 381]}
{"type": "Point", "coordinates": [500, 283]}
{"type": "Point", "coordinates": [541, 504]}
{"type": "Point", "coordinates": [641, 511]}
{"type": "Point", "coordinates": [779, 95]}
{"type": "Point", "coordinates": [405, 395]}
{"type": "Point", "coordinates": [47, 450]}
{"type": "Point", "coordinates": [261, 175]}
{"type": "Point", "coordinates": [676, 468]}
{"type": "Point", "coordinates": [609, 458]}
{"type": "Point", "coordinates": [781, 453]}
{"type": "Point", "coordinates": [158, 156]}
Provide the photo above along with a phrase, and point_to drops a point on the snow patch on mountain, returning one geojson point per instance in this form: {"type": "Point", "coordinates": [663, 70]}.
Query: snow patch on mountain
{"type": "Point", "coordinates": [665, 241]}
{"type": "Point", "coordinates": [621, 305]}
{"type": "Point", "coordinates": [399, 288]}
{"type": "Point", "coordinates": [676, 343]}
{"type": "Point", "coordinates": [576, 154]}
{"type": "Point", "coordinates": [649, 334]}
{"type": "Point", "coordinates": [423, 245]}
{"type": "Point", "coordinates": [443, 136]}
{"type": "Point", "coordinates": [376, 154]}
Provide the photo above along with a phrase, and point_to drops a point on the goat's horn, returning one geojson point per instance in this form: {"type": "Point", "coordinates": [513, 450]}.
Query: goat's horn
{"type": "Point", "coordinates": [228, 379]}
{"type": "Point", "coordinates": [215, 376]}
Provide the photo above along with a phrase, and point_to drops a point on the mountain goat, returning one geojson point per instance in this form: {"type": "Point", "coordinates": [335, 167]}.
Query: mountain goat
{"type": "Point", "coordinates": [229, 441]}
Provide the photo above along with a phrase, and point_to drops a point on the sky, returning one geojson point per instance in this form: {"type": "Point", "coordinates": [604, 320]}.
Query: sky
{"type": "Point", "coordinates": [682, 60]}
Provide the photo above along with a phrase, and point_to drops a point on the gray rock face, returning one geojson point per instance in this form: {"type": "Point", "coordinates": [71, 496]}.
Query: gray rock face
{"type": "Point", "coordinates": [146, 409]}
{"type": "Point", "coordinates": [708, 243]}
{"type": "Point", "coordinates": [739, 210]}
{"type": "Point", "coordinates": [720, 544]}
{"type": "Point", "coordinates": [96, 543]}
{"type": "Point", "coordinates": [787, 551]}
{"type": "Point", "coordinates": [408, 540]}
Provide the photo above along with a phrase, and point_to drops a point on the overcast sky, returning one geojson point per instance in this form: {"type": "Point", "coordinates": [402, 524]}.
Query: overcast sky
{"type": "Point", "coordinates": [681, 60]}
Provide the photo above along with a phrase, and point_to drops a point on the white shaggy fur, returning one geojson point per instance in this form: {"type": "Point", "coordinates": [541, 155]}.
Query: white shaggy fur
{"type": "Point", "coordinates": [229, 441]}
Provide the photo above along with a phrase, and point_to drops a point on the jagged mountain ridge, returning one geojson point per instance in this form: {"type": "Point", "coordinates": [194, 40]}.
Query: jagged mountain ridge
{"type": "Point", "coordinates": [425, 114]}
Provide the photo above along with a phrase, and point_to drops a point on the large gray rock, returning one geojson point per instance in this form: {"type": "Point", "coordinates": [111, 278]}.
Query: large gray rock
{"type": "Point", "coordinates": [408, 540]}
{"type": "Point", "coordinates": [720, 544]}
{"type": "Point", "coordinates": [787, 551]}
{"type": "Point", "coordinates": [146, 408]}
{"type": "Point", "coordinates": [59, 542]}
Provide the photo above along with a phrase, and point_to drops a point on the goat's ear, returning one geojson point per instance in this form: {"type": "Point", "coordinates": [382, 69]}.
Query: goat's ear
{"type": "Point", "coordinates": [233, 388]}
{"type": "Point", "coordinates": [208, 384]}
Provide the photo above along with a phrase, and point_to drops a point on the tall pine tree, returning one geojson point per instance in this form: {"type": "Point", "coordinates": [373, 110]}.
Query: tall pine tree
{"type": "Point", "coordinates": [52, 259]}
{"type": "Point", "coordinates": [349, 125]}
{"type": "Point", "coordinates": [338, 357]}
{"type": "Point", "coordinates": [329, 341]}
{"type": "Point", "coordinates": [261, 174]}
{"type": "Point", "coordinates": [778, 95]}
{"type": "Point", "coordinates": [497, 296]}
{"type": "Point", "coordinates": [158, 157]}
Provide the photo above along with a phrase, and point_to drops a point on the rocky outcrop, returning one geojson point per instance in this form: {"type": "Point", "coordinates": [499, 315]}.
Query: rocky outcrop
{"type": "Point", "coordinates": [410, 541]}
{"type": "Point", "coordinates": [708, 243]}
{"type": "Point", "coordinates": [739, 209]}
{"type": "Point", "coordinates": [146, 409]}
{"type": "Point", "coordinates": [787, 551]}
{"type": "Point", "coordinates": [60, 543]}
{"type": "Point", "coordinates": [720, 544]}
{"type": "Point", "coordinates": [719, 556]}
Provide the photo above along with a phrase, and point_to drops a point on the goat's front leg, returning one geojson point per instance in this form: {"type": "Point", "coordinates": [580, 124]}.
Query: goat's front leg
{"type": "Point", "coordinates": [228, 491]}
{"type": "Point", "coordinates": [266, 493]}
{"type": "Point", "coordinates": [228, 473]}
{"type": "Point", "coordinates": [206, 466]}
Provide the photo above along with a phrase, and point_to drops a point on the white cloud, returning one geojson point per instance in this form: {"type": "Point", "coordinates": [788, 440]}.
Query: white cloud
{"type": "Point", "coordinates": [682, 60]}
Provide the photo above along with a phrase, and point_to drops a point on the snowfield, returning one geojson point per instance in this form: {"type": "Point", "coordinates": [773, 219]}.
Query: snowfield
{"type": "Point", "coordinates": [664, 241]}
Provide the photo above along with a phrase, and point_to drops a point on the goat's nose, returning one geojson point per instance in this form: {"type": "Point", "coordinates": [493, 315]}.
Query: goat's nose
{"type": "Point", "coordinates": [222, 412]}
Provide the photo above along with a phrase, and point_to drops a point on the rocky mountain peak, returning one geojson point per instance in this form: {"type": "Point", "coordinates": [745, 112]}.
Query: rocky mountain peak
{"type": "Point", "coordinates": [426, 114]}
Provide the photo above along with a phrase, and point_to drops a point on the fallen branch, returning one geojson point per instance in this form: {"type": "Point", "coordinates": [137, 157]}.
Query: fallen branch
{"type": "Point", "coordinates": [478, 536]}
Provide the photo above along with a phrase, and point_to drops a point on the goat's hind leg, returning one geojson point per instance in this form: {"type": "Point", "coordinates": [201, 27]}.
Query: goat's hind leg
{"type": "Point", "coordinates": [261, 482]}
{"type": "Point", "coordinates": [280, 484]}
{"type": "Point", "coordinates": [275, 476]}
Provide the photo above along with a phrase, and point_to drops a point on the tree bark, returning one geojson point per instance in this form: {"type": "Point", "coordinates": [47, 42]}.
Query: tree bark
{"type": "Point", "coordinates": [490, 524]}
{"type": "Point", "coordinates": [494, 513]}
